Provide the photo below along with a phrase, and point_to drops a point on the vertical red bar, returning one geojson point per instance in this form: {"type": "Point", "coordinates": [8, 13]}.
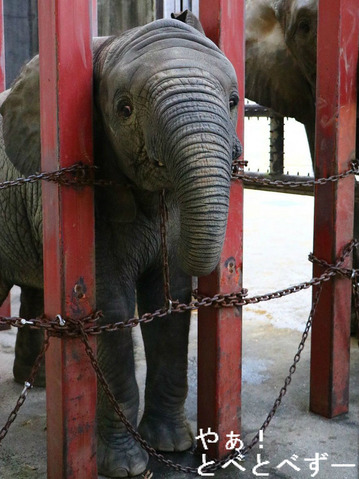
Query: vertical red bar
{"type": "Point", "coordinates": [334, 202]}
{"type": "Point", "coordinates": [69, 263]}
{"type": "Point", "coordinates": [220, 330]}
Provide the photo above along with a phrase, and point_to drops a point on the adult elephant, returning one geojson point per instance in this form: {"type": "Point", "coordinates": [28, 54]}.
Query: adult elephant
{"type": "Point", "coordinates": [281, 58]}
{"type": "Point", "coordinates": [281, 62]}
{"type": "Point", "coordinates": [281, 40]}
{"type": "Point", "coordinates": [165, 101]}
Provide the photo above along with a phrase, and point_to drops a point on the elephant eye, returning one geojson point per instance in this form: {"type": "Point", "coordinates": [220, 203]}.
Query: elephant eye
{"type": "Point", "coordinates": [304, 26]}
{"type": "Point", "coordinates": [233, 101]}
{"type": "Point", "coordinates": [124, 109]}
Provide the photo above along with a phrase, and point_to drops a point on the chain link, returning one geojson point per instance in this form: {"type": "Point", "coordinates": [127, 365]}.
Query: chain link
{"type": "Point", "coordinates": [353, 170]}
{"type": "Point", "coordinates": [28, 384]}
{"type": "Point", "coordinates": [288, 379]}
{"type": "Point", "coordinates": [75, 175]}
{"type": "Point", "coordinates": [164, 250]}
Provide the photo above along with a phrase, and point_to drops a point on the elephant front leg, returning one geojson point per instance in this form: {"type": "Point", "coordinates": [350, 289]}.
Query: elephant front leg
{"type": "Point", "coordinates": [164, 423]}
{"type": "Point", "coordinates": [118, 454]}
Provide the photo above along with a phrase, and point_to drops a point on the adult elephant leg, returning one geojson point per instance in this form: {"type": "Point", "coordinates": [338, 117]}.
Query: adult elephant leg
{"type": "Point", "coordinates": [29, 341]}
{"type": "Point", "coordinates": [164, 423]}
{"type": "Point", "coordinates": [118, 454]}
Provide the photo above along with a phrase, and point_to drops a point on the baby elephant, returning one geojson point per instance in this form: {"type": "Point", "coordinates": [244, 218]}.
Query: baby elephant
{"type": "Point", "coordinates": [165, 106]}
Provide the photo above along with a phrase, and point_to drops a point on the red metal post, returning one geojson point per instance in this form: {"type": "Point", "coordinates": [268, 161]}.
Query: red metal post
{"type": "Point", "coordinates": [220, 330]}
{"type": "Point", "coordinates": [334, 202]}
{"type": "Point", "coordinates": [66, 138]}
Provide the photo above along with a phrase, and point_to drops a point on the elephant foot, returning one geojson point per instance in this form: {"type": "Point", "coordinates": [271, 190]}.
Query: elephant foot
{"type": "Point", "coordinates": [22, 372]}
{"type": "Point", "coordinates": [166, 434]}
{"type": "Point", "coordinates": [122, 457]}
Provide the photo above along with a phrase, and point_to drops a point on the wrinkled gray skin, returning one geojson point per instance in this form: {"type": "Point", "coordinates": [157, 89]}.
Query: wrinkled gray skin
{"type": "Point", "coordinates": [165, 108]}
{"type": "Point", "coordinates": [281, 52]}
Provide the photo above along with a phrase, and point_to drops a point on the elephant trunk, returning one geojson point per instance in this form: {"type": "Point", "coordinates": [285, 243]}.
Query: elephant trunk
{"type": "Point", "coordinates": [203, 196]}
{"type": "Point", "coordinates": [199, 155]}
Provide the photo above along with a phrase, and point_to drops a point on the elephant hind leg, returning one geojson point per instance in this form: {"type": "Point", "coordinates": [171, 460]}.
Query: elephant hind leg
{"type": "Point", "coordinates": [29, 341]}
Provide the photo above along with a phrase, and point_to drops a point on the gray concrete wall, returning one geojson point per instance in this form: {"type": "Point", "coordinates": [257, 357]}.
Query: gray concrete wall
{"type": "Point", "coordinates": [21, 38]}
{"type": "Point", "coordinates": [116, 16]}
{"type": "Point", "coordinates": [21, 33]}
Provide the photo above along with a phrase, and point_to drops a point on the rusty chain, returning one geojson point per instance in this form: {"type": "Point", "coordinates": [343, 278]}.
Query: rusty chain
{"type": "Point", "coordinates": [83, 175]}
{"type": "Point", "coordinates": [219, 463]}
{"type": "Point", "coordinates": [164, 250]}
{"type": "Point", "coordinates": [28, 385]}
{"type": "Point", "coordinates": [130, 428]}
{"type": "Point", "coordinates": [353, 170]}
{"type": "Point", "coordinates": [75, 175]}
{"type": "Point", "coordinates": [288, 379]}
{"type": "Point", "coordinates": [69, 327]}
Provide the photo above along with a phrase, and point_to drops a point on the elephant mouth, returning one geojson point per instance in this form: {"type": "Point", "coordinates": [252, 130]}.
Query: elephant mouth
{"type": "Point", "coordinates": [151, 172]}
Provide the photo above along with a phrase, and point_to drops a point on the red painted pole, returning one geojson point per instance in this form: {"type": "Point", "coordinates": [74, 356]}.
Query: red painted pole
{"type": "Point", "coordinates": [5, 308]}
{"type": "Point", "coordinates": [220, 330]}
{"type": "Point", "coordinates": [334, 202]}
{"type": "Point", "coordinates": [69, 263]}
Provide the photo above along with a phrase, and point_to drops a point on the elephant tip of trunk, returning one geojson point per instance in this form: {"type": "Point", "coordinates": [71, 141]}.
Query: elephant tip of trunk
{"type": "Point", "coordinates": [198, 270]}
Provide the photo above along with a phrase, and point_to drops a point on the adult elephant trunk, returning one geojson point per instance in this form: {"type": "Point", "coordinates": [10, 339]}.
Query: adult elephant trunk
{"type": "Point", "coordinates": [198, 150]}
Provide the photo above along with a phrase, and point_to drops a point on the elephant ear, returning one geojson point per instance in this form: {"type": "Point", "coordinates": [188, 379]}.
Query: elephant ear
{"type": "Point", "coordinates": [188, 17]}
{"type": "Point", "coordinates": [273, 78]}
{"type": "Point", "coordinates": [21, 117]}
{"type": "Point", "coordinates": [21, 120]}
